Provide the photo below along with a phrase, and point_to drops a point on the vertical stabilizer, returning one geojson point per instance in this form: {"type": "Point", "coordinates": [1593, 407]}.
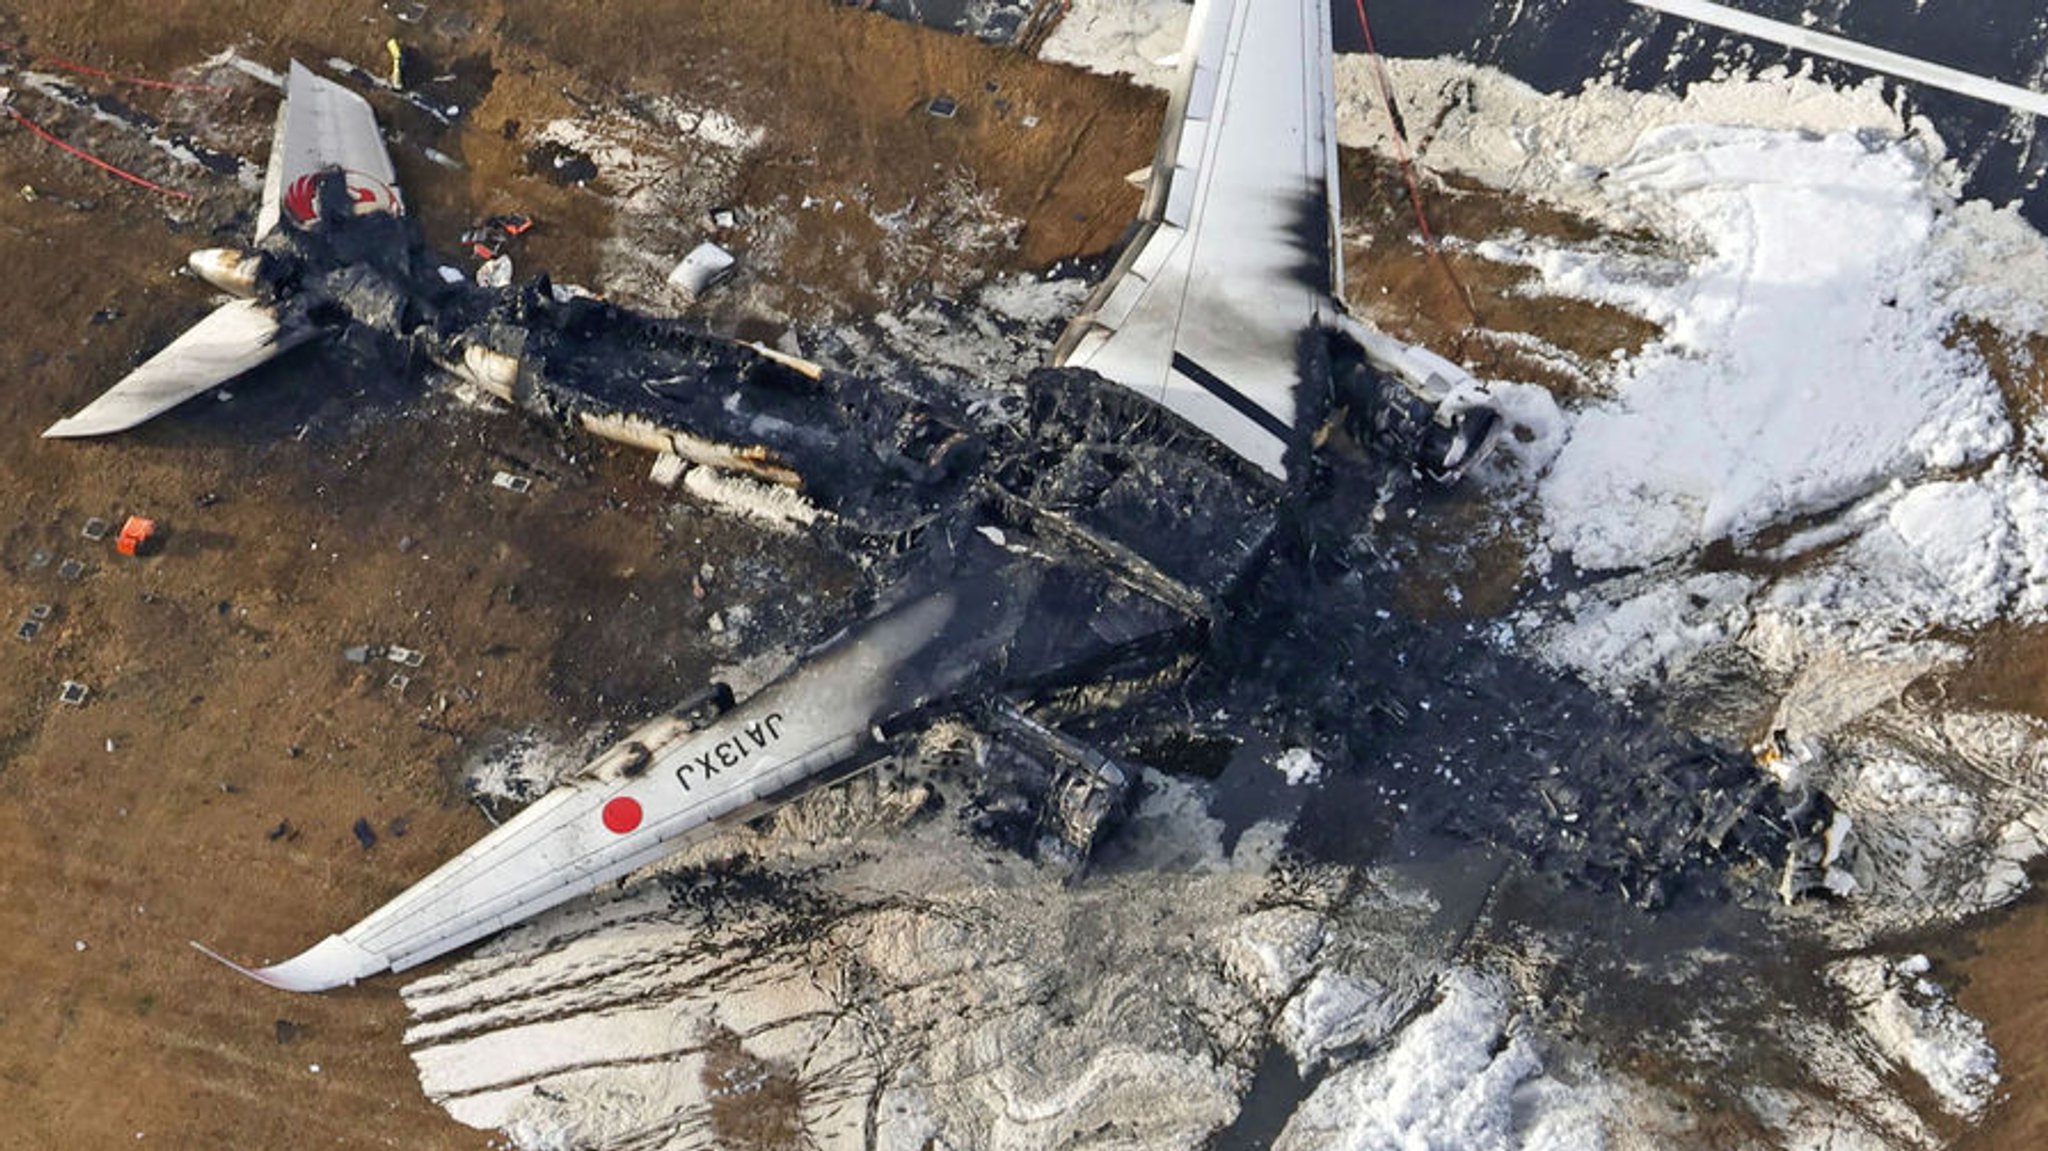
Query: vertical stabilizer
{"type": "Point", "coordinates": [323, 127]}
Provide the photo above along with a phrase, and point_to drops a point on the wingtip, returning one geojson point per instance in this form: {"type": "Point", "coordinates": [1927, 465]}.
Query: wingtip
{"type": "Point", "coordinates": [224, 961]}
{"type": "Point", "coordinates": [334, 962]}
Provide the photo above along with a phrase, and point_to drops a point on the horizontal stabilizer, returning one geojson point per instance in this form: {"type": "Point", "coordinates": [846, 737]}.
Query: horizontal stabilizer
{"type": "Point", "coordinates": [236, 337]}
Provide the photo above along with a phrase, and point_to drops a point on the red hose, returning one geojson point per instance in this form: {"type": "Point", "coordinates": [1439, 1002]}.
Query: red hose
{"type": "Point", "coordinates": [1399, 131]}
{"type": "Point", "coordinates": [95, 161]}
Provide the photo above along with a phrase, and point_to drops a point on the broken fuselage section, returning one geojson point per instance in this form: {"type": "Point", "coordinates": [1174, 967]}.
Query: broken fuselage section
{"type": "Point", "coordinates": [1094, 534]}
{"type": "Point", "coordinates": [1055, 575]}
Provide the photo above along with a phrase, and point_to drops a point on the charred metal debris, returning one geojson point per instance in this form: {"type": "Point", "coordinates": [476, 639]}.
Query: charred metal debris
{"type": "Point", "coordinates": [1091, 537]}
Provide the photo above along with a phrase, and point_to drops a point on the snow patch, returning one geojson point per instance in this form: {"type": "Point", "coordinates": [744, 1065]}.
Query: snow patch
{"type": "Point", "coordinates": [1460, 1075]}
{"type": "Point", "coordinates": [1336, 1012]}
{"type": "Point", "coordinates": [1912, 1022]}
{"type": "Point", "coordinates": [1625, 634]}
{"type": "Point", "coordinates": [1141, 39]}
{"type": "Point", "coordinates": [1805, 361]}
{"type": "Point", "coordinates": [1947, 553]}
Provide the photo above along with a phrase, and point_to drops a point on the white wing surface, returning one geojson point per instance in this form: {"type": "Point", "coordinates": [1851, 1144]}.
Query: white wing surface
{"type": "Point", "coordinates": [237, 336]}
{"type": "Point", "coordinates": [641, 800]}
{"type": "Point", "coordinates": [323, 127]}
{"type": "Point", "coordinates": [1234, 260]}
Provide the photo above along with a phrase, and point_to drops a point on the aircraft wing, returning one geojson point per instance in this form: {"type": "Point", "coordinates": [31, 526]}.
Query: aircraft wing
{"type": "Point", "coordinates": [237, 336]}
{"type": "Point", "coordinates": [1208, 311]}
{"type": "Point", "coordinates": [648, 795]}
{"type": "Point", "coordinates": [323, 127]}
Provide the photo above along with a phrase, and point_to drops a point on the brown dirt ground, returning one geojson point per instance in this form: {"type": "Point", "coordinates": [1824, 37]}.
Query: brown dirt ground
{"type": "Point", "coordinates": [2002, 985]}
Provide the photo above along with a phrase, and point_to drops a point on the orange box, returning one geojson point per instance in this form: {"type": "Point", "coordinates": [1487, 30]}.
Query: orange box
{"type": "Point", "coordinates": [134, 535]}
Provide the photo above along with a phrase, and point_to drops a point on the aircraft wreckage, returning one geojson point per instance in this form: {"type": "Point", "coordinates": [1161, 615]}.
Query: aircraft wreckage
{"type": "Point", "coordinates": [1104, 530]}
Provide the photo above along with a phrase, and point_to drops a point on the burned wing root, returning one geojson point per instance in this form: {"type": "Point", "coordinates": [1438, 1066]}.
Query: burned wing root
{"type": "Point", "coordinates": [1138, 489]}
{"type": "Point", "coordinates": [872, 455]}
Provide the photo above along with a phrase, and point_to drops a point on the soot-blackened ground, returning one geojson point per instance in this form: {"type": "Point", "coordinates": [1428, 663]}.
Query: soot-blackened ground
{"type": "Point", "coordinates": [1433, 726]}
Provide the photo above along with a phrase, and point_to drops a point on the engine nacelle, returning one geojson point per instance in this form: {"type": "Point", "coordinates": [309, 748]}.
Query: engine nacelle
{"type": "Point", "coordinates": [233, 270]}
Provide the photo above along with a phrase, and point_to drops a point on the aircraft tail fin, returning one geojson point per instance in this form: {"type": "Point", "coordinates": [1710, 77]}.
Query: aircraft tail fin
{"type": "Point", "coordinates": [236, 337]}
{"type": "Point", "coordinates": [1212, 309]}
{"type": "Point", "coordinates": [323, 128]}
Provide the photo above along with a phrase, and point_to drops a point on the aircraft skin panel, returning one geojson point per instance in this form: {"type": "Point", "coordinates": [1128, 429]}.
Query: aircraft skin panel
{"type": "Point", "coordinates": [236, 337]}
{"type": "Point", "coordinates": [1234, 259]}
{"type": "Point", "coordinates": [323, 127]}
{"type": "Point", "coordinates": [593, 831]}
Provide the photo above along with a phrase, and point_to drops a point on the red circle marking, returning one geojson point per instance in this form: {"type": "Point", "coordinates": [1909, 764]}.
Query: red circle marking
{"type": "Point", "coordinates": [366, 193]}
{"type": "Point", "coordinates": [622, 815]}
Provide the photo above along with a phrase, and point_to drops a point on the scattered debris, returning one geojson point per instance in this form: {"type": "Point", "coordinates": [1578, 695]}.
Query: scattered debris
{"type": "Point", "coordinates": [511, 483]}
{"type": "Point", "coordinates": [561, 164]}
{"type": "Point", "coordinates": [38, 559]}
{"type": "Point", "coordinates": [943, 107]}
{"type": "Point", "coordinates": [1029, 121]}
{"type": "Point", "coordinates": [489, 238]}
{"type": "Point", "coordinates": [289, 1032]}
{"type": "Point", "coordinates": [707, 266]}
{"type": "Point", "coordinates": [365, 834]}
{"type": "Point", "coordinates": [28, 629]}
{"type": "Point", "coordinates": [41, 612]}
{"type": "Point", "coordinates": [73, 693]}
{"type": "Point", "coordinates": [283, 831]}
